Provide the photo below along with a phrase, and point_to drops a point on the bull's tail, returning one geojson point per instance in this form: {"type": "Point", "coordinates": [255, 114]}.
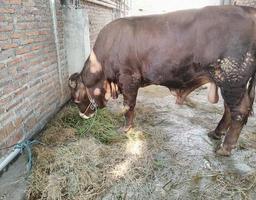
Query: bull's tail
{"type": "Point", "coordinates": [251, 91]}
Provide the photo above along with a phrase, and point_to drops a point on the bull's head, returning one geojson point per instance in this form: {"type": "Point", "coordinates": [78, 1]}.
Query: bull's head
{"type": "Point", "coordinates": [87, 99]}
{"type": "Point", "coordinates": [89, 89]}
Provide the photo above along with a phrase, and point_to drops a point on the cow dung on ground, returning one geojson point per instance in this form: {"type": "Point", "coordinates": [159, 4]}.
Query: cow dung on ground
{"type": "Point", "coordinates": [167, 156]}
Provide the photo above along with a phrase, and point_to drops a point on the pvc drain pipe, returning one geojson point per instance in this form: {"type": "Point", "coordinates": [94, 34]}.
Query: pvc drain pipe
{"type": "Point", "coordinates": [9, 158]}
{"type": "Point", "coordinates": [56, 39]}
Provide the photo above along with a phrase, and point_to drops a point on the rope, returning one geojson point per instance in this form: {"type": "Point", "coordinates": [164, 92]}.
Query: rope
{"type": "Point", "coordinates": [94, 118]}
{"type": "Point", "coordinates": [27, 145]}
{"type": "Point", "coordinates": [93, 106]}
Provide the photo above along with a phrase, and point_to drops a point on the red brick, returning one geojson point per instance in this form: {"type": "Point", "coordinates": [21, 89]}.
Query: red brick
{"type": "Point", "coordinates": [18, 2]}
{"type": "Point", "coordinates": [12, 105]}
{"type": "Point", "coordinates": [14, 61]}
{"type": "Point", "coordinates": [16, 35]}
{"type": "Point", "coordinates": [28, 41]}
{"type": "Point", "coordinates": [14, 138]}
{"type": "Point", "coordinates": [3, 37]}
{"type": "Point", "coordinates": [36, 62]}
{"type": "Point", "coordinates": [6, 28]}
{"type": "Point", "coordinates": [2, 65]}
{"type": "Point", "coordinates": [9, 88]}
{"type": "Point", "coordinates": [28, 3]}
{"type": "Point", "coordinates": [22, 50]}
{"type": "Point", "coordinates": [6, 18]}
{"type": "Point", "coordinates": [32, 33]}
{"type": "Point", "coordinates": [6, 131]}
{"type": "Point", "coordinates": [23, 26]}
{"type": "Point", "coordinates": [30, 123]}
{"type": "Point", "coordinates": [20, 91]}
{"type": "Point", "coordinates": [29, 56]}
{"type": "Point", "coordinates": [9, 46]}
{"type": "Point", "coordinates": [44, 32]}
{"type": "Point", "coordinates": [7, 10]}
{"type": "Point", "coordinates": [37, 47]}
{"type": "Point", "coordinates": [4, 1]}
{"type": "Point", "coordinates": [41, 39]}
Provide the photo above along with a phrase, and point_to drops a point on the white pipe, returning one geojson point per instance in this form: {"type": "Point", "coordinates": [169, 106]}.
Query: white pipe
{"type": "Point", "coordinates": [9, 158]}
{"type": "Point", "coordinates": [102, 3]}
{"type": "Point", "coordinates": [55, 32]}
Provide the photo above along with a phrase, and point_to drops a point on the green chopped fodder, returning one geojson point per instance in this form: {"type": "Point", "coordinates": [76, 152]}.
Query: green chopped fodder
{"type": "Point", "coordinates": [103, 126]}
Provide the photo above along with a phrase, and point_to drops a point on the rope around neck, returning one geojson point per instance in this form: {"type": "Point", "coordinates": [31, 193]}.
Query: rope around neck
{"type": "Point", "coordinates": [93, 106]}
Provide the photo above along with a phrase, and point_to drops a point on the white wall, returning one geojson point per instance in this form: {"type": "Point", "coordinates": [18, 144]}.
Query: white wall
{"type": "Point", "coordinates": [162, 6]}
{"type": "Point", "coordinates": [77, 41]}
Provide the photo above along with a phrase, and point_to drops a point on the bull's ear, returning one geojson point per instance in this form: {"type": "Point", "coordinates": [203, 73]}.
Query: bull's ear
{"type": "Point", "coordinates": [73, 80]}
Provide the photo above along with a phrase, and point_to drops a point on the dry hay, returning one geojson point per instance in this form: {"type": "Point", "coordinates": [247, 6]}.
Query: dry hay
{"type": "Point", "coordinates": [223, 185]}
{"type": "Point", "coordinates": [73, 167]}
{"type": "Point", "coordinates": [77, 164]}
{"type": "Point", "coordinates": [213, 185]}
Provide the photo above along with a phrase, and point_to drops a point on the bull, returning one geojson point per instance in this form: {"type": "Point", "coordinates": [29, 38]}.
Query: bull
{"type": "Point", "coordinates": [180, 50]}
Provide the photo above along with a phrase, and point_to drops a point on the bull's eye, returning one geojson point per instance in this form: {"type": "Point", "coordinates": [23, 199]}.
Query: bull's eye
{"type": "Point", "coordinates": [72, 84]}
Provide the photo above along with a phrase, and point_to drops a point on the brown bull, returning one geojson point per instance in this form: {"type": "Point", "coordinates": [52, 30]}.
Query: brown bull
{"type": "Point", "coordinates": [182, 51]}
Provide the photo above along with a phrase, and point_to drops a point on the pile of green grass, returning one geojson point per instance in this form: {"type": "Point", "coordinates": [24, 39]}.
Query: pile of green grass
{"type": "Point", "coordinates": [103, 126]}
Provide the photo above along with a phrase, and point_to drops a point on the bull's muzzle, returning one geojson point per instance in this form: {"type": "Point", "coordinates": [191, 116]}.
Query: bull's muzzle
{"type": "Point", "coordinates": [84, 116]}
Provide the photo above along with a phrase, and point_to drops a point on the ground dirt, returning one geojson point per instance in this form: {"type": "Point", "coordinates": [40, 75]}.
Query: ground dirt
{"type": "Point", "coordinates": [168, 155]}
{"type": "Point", "coordinates": [185, 163]}
{"type": "Point", "coordinates": [13, 181]}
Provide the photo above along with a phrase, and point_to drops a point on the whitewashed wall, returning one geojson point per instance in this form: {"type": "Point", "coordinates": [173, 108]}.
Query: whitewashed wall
{"type": "Point", "coordinates": [144, 7]}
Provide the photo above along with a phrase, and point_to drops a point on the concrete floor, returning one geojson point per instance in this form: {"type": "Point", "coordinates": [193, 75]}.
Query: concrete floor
{"type": "Point", "coordinates": [190, 168]}
{"type": "Point", "coordinates": [12, 182]}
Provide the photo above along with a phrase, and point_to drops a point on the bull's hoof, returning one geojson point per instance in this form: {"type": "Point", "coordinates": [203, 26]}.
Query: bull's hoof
{"type": "Point", "coordinates": [222, 151]}
{"type": "Point", "coordinates": [125, 129]}
{"type": "Point", "coordinates": [214, 136]}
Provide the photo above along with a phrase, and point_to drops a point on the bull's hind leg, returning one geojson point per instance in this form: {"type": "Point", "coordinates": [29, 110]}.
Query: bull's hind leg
{"type": "Point", "coordinates": [239, 115]}
{"type": "Point", "coordinates": [223, 125]}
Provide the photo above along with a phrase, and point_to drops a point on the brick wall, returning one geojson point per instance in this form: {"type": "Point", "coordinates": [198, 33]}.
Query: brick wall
{"type": "Point", "coordinates": [29, 83]}
{"type": "Point", "coordinates": [98, 17]}
{"type": "Point", "coordinates": [251, 3]}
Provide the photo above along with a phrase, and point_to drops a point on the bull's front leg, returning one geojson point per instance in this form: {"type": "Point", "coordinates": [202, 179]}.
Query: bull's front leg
{"type": "Point", "coordinates": [239, 116]}
{"type": "Point", "coordinates": [130, 86]}
{"type": "Point", "coordinates": [223, 125]}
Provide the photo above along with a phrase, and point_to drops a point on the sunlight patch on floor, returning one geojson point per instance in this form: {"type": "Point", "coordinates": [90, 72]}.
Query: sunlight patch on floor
{"type": "Point", "coordinates": [134, 149]}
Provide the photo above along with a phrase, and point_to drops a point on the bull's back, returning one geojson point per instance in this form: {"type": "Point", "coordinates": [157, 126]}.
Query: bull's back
{"type": "Point", "coordinates": [158, 43]}
{"type": "Point", "coordinates": [206, 33]}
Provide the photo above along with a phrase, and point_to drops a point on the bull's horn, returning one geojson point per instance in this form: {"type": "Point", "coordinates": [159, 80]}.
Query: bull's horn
{"type": "Point", "coordinates": [72, 84]}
